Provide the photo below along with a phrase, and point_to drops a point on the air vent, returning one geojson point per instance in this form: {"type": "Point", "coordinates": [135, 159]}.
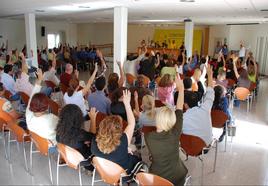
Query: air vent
{"type": "Point", "coordinates": [40, 11]}
{"type": "Point", "coordinates": [264, 10]}
{"type": "Point", "coordinates": [243, 24]}
{"type": "Point", "coordinates": [84, 7]}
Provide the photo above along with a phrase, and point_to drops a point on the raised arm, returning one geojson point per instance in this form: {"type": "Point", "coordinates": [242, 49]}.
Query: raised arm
{"type": "Point", "coordinates": [137, 107]}
{"type": "Point", "coordinates": [235, 68]}
{"type": "Point", "coordinates": [157, 60]}
{"type": "Point", "coordinates": [130, 117]}
{"type": "Point", "coordinates": [255, 68]}
{"type": "Point", "coordinates": [24, 66]}
{"type": "Point", "coordinates": [92, 115]}
{"type": "Point", "coordinates": [180, 89]}
{"type": "Point", "coordinates": [122, 75]}
{"type": "Point", "coordinates": [90, 81]}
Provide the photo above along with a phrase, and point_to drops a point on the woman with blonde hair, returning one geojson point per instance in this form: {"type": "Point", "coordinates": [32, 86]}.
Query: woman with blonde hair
{"type": "Point", "coordinates": [164, 142]}
{"type": "Point", "coordinates": [111, 141]}
{"type": "Point", "coordinates": [166, 89]}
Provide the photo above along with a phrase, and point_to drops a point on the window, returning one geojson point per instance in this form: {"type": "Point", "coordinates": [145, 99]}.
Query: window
{"type": "Point", "coordinates": [53, 40]}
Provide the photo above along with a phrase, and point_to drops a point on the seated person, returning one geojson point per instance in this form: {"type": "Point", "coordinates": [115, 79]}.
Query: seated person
{"type": "Point", "coordinates": [76, 96]}
{"type": "Point", "coordinates": [117, 105]}
{"type": "Point", "coordinates": [70, 129]}
{"type": "Point", "coordinates": [38, 119]}
{"type": "Point", "coordinates": [50, 74]}
{"type": "Point", "coordinates": [149, 64]}
{"type": "Point", "coordinates": [195, 96]}
{"type": "Point", "coordinates": [98, 99]}
{"type": "Point", "coordinates": [197, 120]}
{"type": "Point", "coordinates": [242, 78]}
{"type": "Point", "coordinates": [221, 79]}
{"type": "Point", "coordinates": [111, 142]}
{"type": "Point", "coordinates": [67, 75]}
{"type": "Point", "coordinates": [169, 69]}
{"type": "Point", "coordinates": [114, 82]}
{"type": "Point", "coordinates": [221, 103]}
{"type": "Point", "coordinates": [166, 89]}
{"type": "Point", "coordinates": [164, 142]}
{"type": "Point", "coordinates": [198, 76]}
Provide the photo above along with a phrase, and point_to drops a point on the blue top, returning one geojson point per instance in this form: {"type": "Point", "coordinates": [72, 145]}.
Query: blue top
{"type": "Point", "coordinates": [100, 102]}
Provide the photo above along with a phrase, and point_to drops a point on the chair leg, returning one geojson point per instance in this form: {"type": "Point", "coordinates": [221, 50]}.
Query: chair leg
{"type": "Point", "coordinates": [121, 181]}
{"type": "Point", "coordinates": [4, 141]}
{"type": "Point", "coordinates": [79, 173]}
{"type": "Point", "coordinates": [31, 159]}
{"type": "Point", "coordinates": [202, 167]}
{"type": "Point", "coordinates": [58, 163]}
{"type": "Point", "coordinates": [93, 177]}
{"type": "Point", "coordinates": [226, 135]}
{"type": "Point", "coordinates": [24, 154]}
{"type": "Point", "coordinates": [50, 169]}
{"type": "Point", "coordinates": [216, 154]}
{"type": "Point", "coordinates": [8, 147]}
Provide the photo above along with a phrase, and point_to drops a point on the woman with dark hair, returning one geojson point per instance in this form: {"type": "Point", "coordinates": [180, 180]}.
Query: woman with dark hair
{"type": "Point", "coordinates": [221, 103]}
{"type": "Point", "coordinates": [114, 81]}
{"type": "Point", "coordinates": [75, 96]}
{"type": "Point", "coordinates": [117, 105]}
{"type": "Point", "coordinates": [69, 130]}
{"type": "Point", "coordinates": [242, 77]}
{"type": "Point", "coordinates": [37, 117]}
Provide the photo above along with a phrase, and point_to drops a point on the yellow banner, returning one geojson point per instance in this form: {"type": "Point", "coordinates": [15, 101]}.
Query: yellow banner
{"type": "Point", "coordinates": [174, 38]}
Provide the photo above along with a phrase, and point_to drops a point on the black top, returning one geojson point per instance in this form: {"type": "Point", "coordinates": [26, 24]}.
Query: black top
{"type": "Point", "coordinates": [147, 68]}
{"type": "Point", "coordinates": [79, 142]}
{"type": "Point", "coordinates": [119, 156]}
{"type": "Point", "coordinates": [119, 109]}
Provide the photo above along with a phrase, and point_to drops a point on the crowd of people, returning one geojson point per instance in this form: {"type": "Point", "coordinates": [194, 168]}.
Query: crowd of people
{"type": "Point", "coordinates": [188, 89]}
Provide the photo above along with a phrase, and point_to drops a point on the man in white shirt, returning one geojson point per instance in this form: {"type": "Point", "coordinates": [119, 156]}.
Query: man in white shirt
{"type": "Point", "coordinates": [197, 120]}
{"type": "Point", "coordinates": [242, 52]}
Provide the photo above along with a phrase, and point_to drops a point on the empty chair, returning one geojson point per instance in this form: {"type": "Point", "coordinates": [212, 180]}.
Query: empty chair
{"type": "Point", "coordinates": [20, 135]}
{"type": "Point", "coordinates": [196, 147]}
{"type": "Point", "coordinates": [42, 145]}
{"type": "Point", "coordinates": [110, 172]}
{"type": "Point", "coordinates": [72, 159]}
{"type": "Point", "coordinates": [147, 179]}
{"type": "Point", "coordinates": [219, 120]}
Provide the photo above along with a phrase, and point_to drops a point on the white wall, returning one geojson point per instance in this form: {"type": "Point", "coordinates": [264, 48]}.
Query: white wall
{"type": "Point", "coordinates": [14, 31]}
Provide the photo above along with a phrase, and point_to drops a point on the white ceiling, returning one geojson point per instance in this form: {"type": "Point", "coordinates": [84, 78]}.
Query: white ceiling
{"type": "Point", "coordinates": [202, 12]}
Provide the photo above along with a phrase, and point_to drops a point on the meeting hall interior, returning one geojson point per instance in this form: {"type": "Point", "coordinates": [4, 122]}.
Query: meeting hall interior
{"type": "Point", "coordinates": [134, 92]}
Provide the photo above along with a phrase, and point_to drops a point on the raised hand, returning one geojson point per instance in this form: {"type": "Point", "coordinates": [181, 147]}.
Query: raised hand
{"type": "Point", "coordinates": [92, 113]}
{"type": "Point", "coordinates": [40, 76]}
{"type": "Point", "coordinates": [179, 84]}
{"type": "Point", "coordinates": [126, 97]}
{"type": "Point", "coordinates": [136, 96]}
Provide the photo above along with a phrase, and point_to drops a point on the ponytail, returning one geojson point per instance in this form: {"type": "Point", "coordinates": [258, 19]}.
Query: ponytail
{"type": "Point", "coordinates": [73, 84]}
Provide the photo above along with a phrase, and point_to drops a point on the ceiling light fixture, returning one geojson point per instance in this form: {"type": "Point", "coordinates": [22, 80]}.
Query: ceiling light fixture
{"type": "Point", "coordinates": [84, 7]}
{"type": "Point", "coordinates": [187, 1]}
{"type": "Point", "coordinates": [39, 10]}
{"type": "Point", "coordinates": [264, 10]}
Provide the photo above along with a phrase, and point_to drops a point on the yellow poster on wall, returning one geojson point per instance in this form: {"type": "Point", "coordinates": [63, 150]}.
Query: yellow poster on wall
{"type": "Point", "coordinates": [175, 37]}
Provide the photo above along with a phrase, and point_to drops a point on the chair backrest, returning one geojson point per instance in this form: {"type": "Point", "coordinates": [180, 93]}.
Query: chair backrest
{"type": "Point", "coordinates": [157, 80]}
{"type": "Point", "coordinates": [109, 171]}
{"type": "Point", "coordinates": [158, 103]}
{"type": "Point", "coordinates": [17, 131]}
{"type": "Point", "coordinates": [147, 129]}
{"type": "Point", "coordinates": [41, 144]}
{"type": "Point", "coordinates": [25, 98]}
{"type": "Point", "coordinates": [54, 107]}
{"type": "Point", "coordinates": [147, 179]}
{"type": "Point", "coordinates": [252, 86]}
{"type": "Point", "coordinates": [63, 88]}
{"type": "Point", "coordinates": [50, 84]}
{"type": "Point", "coordinates": [146, 80]}
{"type": "Point", "coordinates": [192, 145]}
{"type": "Point", "coordinates": [2, 123]}
{"type": "Point", "coordinates": [241, 93]}
{"type": "Point", "coordinates": [7, 94]}
{"type": "Point", "coordinates": [100, 116]}
{"type": "Point", "coordinates": [71, 156]}
{"type": "Point", "coordinates": [130, 78]}
{"type": "Point", "coordinates": [231, 82]}
{"type": "Point", "coordinates": [218, 118]}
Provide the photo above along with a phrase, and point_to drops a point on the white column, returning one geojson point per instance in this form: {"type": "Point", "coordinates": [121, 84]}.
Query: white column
{"type": "Point", "coordinates": [120, 36]}
{"type": "Point", "coordinates": [189, 34]}
{"type": "Point", "coordinates": [30, 30]}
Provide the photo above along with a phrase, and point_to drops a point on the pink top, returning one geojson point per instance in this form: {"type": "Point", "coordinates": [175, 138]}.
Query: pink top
{"type": "Point", "coordinates": [165, 94]}
{"type": "Point", "coordinates": [23, 84]}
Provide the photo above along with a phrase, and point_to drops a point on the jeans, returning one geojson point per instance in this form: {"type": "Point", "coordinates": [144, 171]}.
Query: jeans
{"type": "Point", "coordinates": [47, 91]}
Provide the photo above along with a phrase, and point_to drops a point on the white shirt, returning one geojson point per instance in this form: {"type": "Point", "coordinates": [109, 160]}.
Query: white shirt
{"type": "Point", "coordinates": [45, 125]}
{"type": "Point", "coordinates": [77, 99]}
{"type": "Point", "coordinates": [242, 52]}
{"type": "Point", "coordinates": [197, 120]}
{"type": "Point", "coordinates": [50, 76]}
{"type": "Point", "coordinates": [131, 66]}
{"type": "Point", "coordinates": [8, 82]}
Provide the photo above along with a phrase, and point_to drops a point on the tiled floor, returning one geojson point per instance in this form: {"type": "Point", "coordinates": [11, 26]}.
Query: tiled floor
{"type": "Point", "coordinates": [244, 163]}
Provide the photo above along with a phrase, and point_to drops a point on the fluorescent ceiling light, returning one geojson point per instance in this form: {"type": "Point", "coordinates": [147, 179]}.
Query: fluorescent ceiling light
{"type": "Point", "coordinates": [84, 6]}
{"type": "Point", "coordinates": [187, 1]}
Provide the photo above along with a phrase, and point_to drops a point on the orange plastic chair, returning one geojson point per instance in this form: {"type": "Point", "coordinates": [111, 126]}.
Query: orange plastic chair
{"type": "Point", "coordinates": [147, 179]}
{"type": "Point", "coordinates": [110, 172]}
{"type": "Point", "coordinates": [243, 94]}
{"type": "Point", "coordinates": [7, 94]}
{"type": "Point", "coordinates": [196, 147]}
{"type": "Point", "coordinates": [130, 79]}
{"type": "Point", "coordinates": [219, 120]}
{"type": "Point", "coordinates": [157, 80]}
{"type": "Point", "coordinates": [50, 84]}
{"type": "Point", "coordinates": [25, 98]}
{"type": "Point", "coordinates": [146, 80]}
{"type": "Point", "coordinates": [158, 103]}
{"type": "Point", "coordinates": [72, 159]}
{"type": "Point", "coordinates": [42, 146]}
{"type": "Point", "coordinates": [231, 83]}
{"type": "Point", "coordinates": [21, 136]}
{"type": "Point", "coordinates": [54, 107]}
